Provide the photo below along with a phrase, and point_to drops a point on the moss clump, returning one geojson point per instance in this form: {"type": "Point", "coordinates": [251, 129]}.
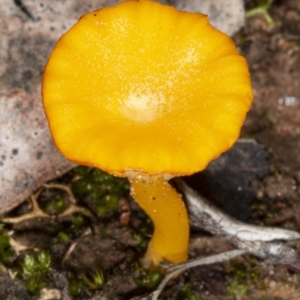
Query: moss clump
{"type": "Point", "coordinates": [142, 235]}
{"type": "Point", "coordinates": [243, 275]}
{"type": "Point", "coordinates": [6, 251]}
{"type": "Point", "coordinates": [35, 270]}
{"type": "Point", "coordinates": [94, 281]}
{"type": "Point", "coordinates": [74, 287]}
{"type": "Point", "coordinates": [149, 279]}
{"type": "Point", "coordinates": [237, 287]}
{"type": "Point", "coordinates": [186, 293]}
{"type": "Point", "coordinates": [100, 190]}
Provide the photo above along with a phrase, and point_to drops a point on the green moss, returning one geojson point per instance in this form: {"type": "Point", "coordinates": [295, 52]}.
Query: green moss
{"type": "Point", "coordinates": [100, 190]}
{"type": "Point", "coordinates": [59, 206]}
{"type": "Point", "coordinates": [55, 207]}
{"type": "Point", "coordinates": [63, 237]}
{"type": "Point", "coordinates": [142, 235]}
{"type": "Point", "coordinates": [94, 281]}
{"type": "Point", "coordinates": [149, 279]}
{"type": "Point", "coordinates": [141, 240]}
{"type": "Point", "coordinates": [6, 251]}
{"type": "Point", "coordinates": [186, 293]}
{"type": "Point", "coordinates": [238, 282]}
{"type": "Point", "coordinates": [77, 222]}
{"type": "Point", "coordinates": [241, 277]}
{"type": "Point", "coordinates": [237, 287]}
{"type": "Point", "coordinates": [255, 275]}
{"type": "Point", "coordinates": [35, 270]}
{"type": "Point", "coordinates": [277, 174]}
{"type": "Point", "coordinates": [74, 286]}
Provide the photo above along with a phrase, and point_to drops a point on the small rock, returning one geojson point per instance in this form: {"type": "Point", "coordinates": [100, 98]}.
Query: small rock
{"type": "Point", "coordinates": [50, 294]}
{"type": "Point", "coordinates": [227, 16]}
{"type": "Point", "coordinates": [272, 284]}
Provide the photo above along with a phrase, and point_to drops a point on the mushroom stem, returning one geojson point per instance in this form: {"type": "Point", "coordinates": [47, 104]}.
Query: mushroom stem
{"type": "Point", "coordinates": [165, 207]}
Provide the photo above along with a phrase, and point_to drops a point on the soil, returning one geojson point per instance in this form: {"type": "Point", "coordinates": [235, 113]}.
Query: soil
{"type": "Point", "coordinates": [95, 245]}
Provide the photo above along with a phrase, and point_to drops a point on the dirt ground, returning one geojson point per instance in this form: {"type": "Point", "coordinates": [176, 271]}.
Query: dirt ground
{"type": "Point", "coordinates": [93, 254]}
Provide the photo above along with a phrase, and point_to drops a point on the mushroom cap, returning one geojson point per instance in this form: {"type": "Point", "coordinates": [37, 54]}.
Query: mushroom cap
{"type": "Point", "coordinates": [143, 87]}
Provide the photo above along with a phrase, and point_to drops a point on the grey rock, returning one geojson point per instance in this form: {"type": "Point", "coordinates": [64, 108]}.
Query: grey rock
{"type": "Point", "coordinates": [227, 16]}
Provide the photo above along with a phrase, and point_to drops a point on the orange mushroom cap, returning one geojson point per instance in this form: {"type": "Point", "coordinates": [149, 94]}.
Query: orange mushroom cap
{"type": "Point", "coordinates": [143, 87]}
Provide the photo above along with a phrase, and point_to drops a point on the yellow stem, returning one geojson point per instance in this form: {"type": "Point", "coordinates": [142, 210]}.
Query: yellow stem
{"type": "Point", "coordinates": [171, 224]}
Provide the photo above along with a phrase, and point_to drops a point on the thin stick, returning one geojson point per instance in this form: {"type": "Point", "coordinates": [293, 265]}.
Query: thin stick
{"type": "Point", "coordinates": [178, 269]}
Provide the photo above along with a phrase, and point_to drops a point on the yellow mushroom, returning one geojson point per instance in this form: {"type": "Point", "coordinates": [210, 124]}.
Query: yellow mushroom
{"type": "Point", "coordinates": [148, 92]}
